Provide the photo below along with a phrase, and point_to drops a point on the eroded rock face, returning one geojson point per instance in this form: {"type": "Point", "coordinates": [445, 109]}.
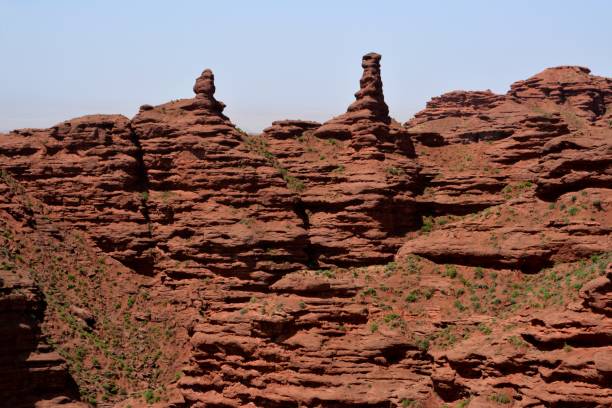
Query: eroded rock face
{"type": "Point", "coordinates": [556, 359]}
{"type": "Point", "coordinates": [31, 371]}
{"type": "Point", "coordinates": [583, 159]}
{"type": "Point", "coordinates": [87, 171]}
{"type": "Point", "coordinates": [587, 95]}
{"type": "Point", "coordinates": [215, 207]}
{"type": "Point", "coordinates": [353, 191]}
{"type": "Point", "coordinates": [355, 176]}
{"type": "Point", "coordinates": [539, 138]}
{"type": "Point", "coordinates": [522, 233]}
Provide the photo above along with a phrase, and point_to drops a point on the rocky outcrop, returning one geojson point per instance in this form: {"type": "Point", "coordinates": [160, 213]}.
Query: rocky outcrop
{"type": "Point", "coordinates": [524, 233]}
{"type": "Point", "coordinates": [215, 207]}
{"type": "Point", "coordinates": [573, 163]}
{"type": "Point", "coordinates": [555, 359]}
{"type": "Point", "coordinates": [520, 182]}
{"type": "Point", "coordinates": [306, 343]}
{"type": "Point", "coordinates": [77, 324]}
{"type": "Point", "coordinates": [476, 148]}
{"type": "Point", "coordinates": [355, 176]}
{"type": "Point", "coordinates": [86, 170]}
{"type": "Point", "coordinates": [587, 96]}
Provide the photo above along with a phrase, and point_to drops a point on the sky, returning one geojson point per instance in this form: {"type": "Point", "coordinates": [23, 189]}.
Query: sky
{"type": "Point", "coordinates": [279, 59]}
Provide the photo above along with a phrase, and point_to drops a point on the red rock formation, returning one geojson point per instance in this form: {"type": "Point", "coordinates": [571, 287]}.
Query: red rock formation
{"type": "Point", "coordinates": [356, 175]}
{"type": "Point", "coordinates": [65, 305]}
{"type": "Point", "coordinates": [522, 233]}
{"type": "Point", "coordinates": [230, 223]}
{"type": "Point", "coordinates": [555, 358]}
{"type": "Point", "coordinates": [586, 95]}
{"type": "Point", "coordinates": [521, 129]}
{"type": "Point", "coordinates": [87, 171]}
{"type": "Point", "coordinates": [583, 159]}
{"type": "Point", "coordinates": [31, 372]}
{"type": "Point", "coordinates": [215, 206]}
{"type": "Point", "coordinates": [521, 181]}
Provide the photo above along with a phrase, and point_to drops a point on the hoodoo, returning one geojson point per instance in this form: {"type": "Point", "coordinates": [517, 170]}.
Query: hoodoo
{"type": "Point", "coordinates": [204, 89]}
{"type": "Point", "coordinates": [367, 121]}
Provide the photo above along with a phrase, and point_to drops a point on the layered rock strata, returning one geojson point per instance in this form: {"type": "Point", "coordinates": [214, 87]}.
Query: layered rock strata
{"type": "Point", "coordinates": [87, 171]}
{"type": "Point", "coordinates": [356, 176]}
{"type": "Point", "coordinates": [215, 207]}
{"type": "Point", "coordinates": [263, 249]}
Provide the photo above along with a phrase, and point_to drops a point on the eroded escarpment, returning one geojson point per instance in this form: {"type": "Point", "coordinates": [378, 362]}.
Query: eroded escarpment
{"type": "Point", "coordinates": [459, 260]}
{"type": "Point", "coordinates": [520, 182]}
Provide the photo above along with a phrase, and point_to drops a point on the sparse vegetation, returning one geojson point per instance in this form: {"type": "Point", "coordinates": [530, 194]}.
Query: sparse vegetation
{"type": "Point", "coordinates": [459, 306]}
{"type": "Point", "coordinates": [517, 342]}
{"type": "Point", "coordinates": [410, 403]}
{"type": "Point", "coordinates": [501, 398]}
{"type": "Point", "coordinates": [484, 329]}
{"type": "Point", "coordinates": [258, 145]}
{"type": "Point", "coordinates": [427, 224]}
{"type": "Point", "coordinates": [464, 403]}
{"type": "Point", "coordinates": [394, 171]}
{"type": "Point", "coordinates": [413, 296]}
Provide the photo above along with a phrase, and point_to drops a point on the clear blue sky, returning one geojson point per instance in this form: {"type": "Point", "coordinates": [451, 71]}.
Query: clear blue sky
{"type": "Point", "coordinates": [279, 59]}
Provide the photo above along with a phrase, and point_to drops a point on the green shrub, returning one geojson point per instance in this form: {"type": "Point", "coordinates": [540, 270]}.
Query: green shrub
{"type": "Point", "coordinates": [451, 271]}
{"type": "Point", "coordinates": [150, 397]}
{"type": "Point", "coordinates": [390, 267]}
{"type": "Point", "coordinates": [369, 292]}
{"type": "Point", "coordinates": [428, 293]}
{"type": "Point", "coordinates": [501, 398]}
{"type": "Point", "coordinates": [391, 317]}
{"type": "Point", "coordinates": [459, 306]}
{"type": "Point", "coordinates": [427, 224]}
{"type": "Point", "coordinates": [423, 344]}
{"type": "Point", "coordinates": [413, 296]}
{"type": "Point", "coordinates": [394, 171]}
{"type": "Point", "coordinates": [484, 329]}
{"type": "Point", "coordinates": [410, 403]}
{"type": "Point", "coordinates": [516, 341]}
{"type": "Point", "coordinates": [464, 403]}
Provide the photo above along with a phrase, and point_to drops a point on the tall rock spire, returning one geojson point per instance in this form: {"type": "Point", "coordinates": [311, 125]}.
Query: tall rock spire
{"type": "Point", "coordinates": [366, 123]}
{"type": "Point", "coordinates": [370, 95]}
